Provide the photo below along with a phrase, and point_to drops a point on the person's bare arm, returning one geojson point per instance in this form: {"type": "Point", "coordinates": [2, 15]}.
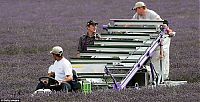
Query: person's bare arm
{"type": "Point", "coordinates": [52, 74]}
{"type": "Point", "coordinates": [78, 54]}
{"type": "Point", "coordinates": [67, 79]}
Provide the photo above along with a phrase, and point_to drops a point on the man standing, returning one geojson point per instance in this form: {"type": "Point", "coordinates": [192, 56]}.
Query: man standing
{"type": "Point", "coordinates": [89, 37]}
{"type": "Point", "coordinates": [61, 70]}
{"type": "Point", "coordinates": [142, 13]}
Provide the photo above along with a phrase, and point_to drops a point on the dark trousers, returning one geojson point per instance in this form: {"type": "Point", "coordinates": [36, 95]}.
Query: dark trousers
{"type": "Point", "coordinates": [66, 87]}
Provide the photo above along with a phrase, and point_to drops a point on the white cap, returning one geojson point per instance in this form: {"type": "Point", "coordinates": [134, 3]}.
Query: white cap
{"type": "Point", "coordinates": [57, 50]}
{"type": "Point", "coordinates": [139, 4]}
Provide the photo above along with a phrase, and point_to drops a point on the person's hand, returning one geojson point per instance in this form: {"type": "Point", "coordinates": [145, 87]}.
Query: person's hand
{"type": "Point", "coordinates": [126, 25]}
{"type": "Point", "coordinates": [78, 54]}
{"type": "Point", "coordinates": [60, 82]}
{"type": "Point", "coordinates": [169, 30]}
{"type": "Point", "coordinates": [171, 34]}
{"type": "Point", "coordinates": [51, 74]}
{"type": "Point", "coordinates": [45, 81]}
{"type": "Point", "coordinates": [161, 56]}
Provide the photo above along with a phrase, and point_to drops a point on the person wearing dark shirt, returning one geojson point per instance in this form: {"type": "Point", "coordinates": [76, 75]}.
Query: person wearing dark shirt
{"type": "Point", "coordinates": [88, 38]}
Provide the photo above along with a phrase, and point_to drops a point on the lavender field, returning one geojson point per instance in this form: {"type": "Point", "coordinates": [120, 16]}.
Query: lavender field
{"type": "Point", "coordinates": [30, 28]}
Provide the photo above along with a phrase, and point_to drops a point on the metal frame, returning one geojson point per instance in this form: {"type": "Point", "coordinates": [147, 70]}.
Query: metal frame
{"type": "Point", "coordinates": [135, 31]}
{"type": "Point", "coordinates": [132, 29]}
{"type": "Point", "coordinates": [99, 60]}
{"type": "Point", "coordinates": [126, 42]}
{"type": "Point", "coordinates": [119, 48]}
{"type": "Point", "coordinates": [120, 22]}
{"type": "Point", "coordinates": [138, 36]}
{"type": "Point", "coordinates": [141, 61]}
{"type": "Point", "coordinates": [127, 36]}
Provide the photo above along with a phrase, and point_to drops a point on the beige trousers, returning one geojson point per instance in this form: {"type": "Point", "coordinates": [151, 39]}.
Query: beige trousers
{"type": "Point", "coordinates": [165, 59]}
